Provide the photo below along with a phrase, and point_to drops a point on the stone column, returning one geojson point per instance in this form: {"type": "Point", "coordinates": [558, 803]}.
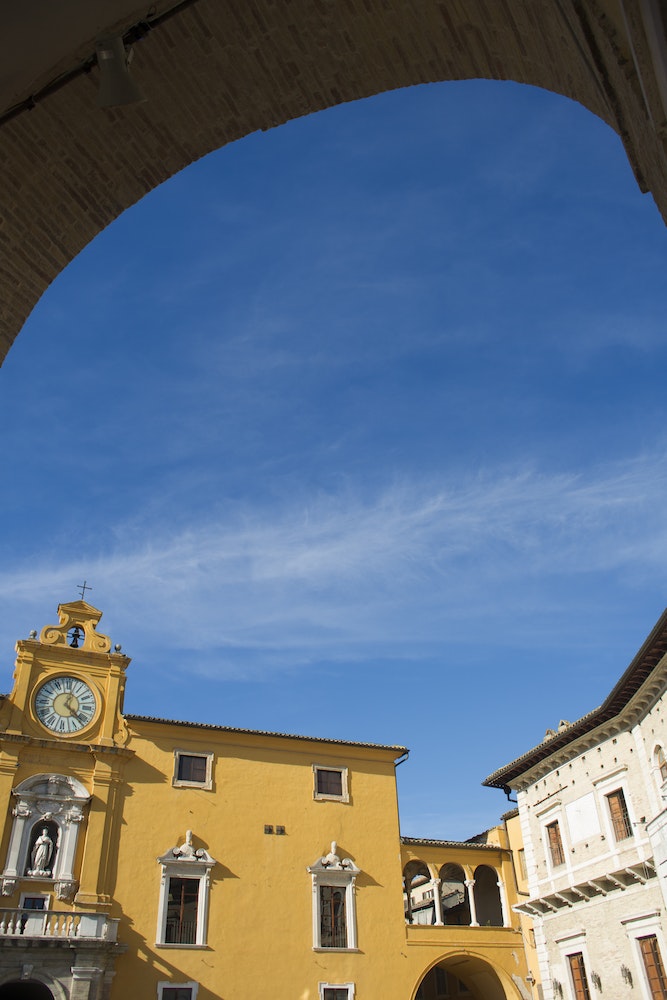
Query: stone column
{"type": "Point", "coordinates": [503, 903]}
{"type": "Point", "coordinates": [470, 886]}
{"type": "Point", "coordinates": [437, 900]}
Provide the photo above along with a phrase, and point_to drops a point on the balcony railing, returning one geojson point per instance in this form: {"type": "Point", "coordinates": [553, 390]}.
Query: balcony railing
{"type": "Point", "coordinates": [57, 924]}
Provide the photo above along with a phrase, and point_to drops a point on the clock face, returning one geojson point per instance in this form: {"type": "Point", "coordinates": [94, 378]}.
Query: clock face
{"type": "Point", "coordinates": [65, 704]}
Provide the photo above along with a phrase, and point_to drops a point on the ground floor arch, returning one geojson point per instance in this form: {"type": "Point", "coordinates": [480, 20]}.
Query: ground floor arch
{"type": "Point", "coordinates": [467, 977]}
{"type": "Point", "coordinates": [29, 989]}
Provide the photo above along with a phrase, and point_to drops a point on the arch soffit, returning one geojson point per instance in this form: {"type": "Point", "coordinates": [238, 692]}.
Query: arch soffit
{"type": "Point", "coordinates": [481, 963]}
{"type": "Point", "coordinates": [241, 68]}
{"type": "Point", "coordinates": [41, 977]}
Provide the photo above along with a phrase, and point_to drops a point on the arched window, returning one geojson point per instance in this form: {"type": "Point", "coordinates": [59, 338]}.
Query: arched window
{"type": "Point", "coordinates": [487, 897]}
{"type": "Point", "coordinates": [454, 895]}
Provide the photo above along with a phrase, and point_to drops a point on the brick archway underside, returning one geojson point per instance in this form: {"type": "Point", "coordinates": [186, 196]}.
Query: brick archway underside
{"type": "Point", "coordinates": [216, 71]}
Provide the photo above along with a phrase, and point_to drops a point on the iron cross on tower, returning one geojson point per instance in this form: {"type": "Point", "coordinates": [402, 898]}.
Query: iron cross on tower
{"type": "Point", "coordinates": [83, 587]}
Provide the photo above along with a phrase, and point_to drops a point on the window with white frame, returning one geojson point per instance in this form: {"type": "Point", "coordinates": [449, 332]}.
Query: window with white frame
{"type": "Point", "coordinates": [615, 806]}
{"type": "Point", "coordinates": [552, 824]}
{"type": "Point", "coordinates": [618, 813]}
{"type": "Point", "coordinates": [334, 917]}
{"type": "Point", "coordinates": [177, 991]}
{"type": "Point", "coordinates": [330, 783]}
{"type": "Point", "coordinates": [574, 956]}
{"type": "Point", "coordinates": [184, 892]}
{"type": "Point", "coordinates": [660, 769]}
{"type": "Point", "coordinates": [339, 991]}
{"type": "Point", "coordinates": [555, 844]}
{"type": "Point", "coordinates": [579, 976]}
{"type": "Point", "coordinates": [192, 769]}
{"type": "Point", "coordinates": [645, 931]}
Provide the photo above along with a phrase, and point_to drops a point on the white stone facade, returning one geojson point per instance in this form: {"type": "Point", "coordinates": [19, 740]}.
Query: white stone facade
{"type": "Point", "coordinates": [594, 824]}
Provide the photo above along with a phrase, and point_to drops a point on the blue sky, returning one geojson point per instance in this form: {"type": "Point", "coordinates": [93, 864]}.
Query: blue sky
{"type": "Point", "coordinates": [357, 429]}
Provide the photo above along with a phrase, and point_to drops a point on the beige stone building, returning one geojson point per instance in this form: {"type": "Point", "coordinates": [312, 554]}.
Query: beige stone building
{"type": "Point", "coordinates": [591, 801]}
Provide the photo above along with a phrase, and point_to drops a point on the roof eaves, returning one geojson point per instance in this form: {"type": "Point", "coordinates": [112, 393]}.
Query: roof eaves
{"type": "Point", "coordinates": [425, 842]}
{"type": "Point", "coordinates": [642, 665]}
{"type": "Point", "coordinates": [263, 732]}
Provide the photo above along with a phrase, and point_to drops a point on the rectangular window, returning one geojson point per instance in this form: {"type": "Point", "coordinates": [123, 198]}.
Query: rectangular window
{"type": "Point", "coordinates": [191, 768]}
{"type": "Point", "coordinates": [330, 991]}
{"type": "Point", "coordinates": [194, 770]}
{"type": "Point", "coordinates": [31, 923]}
{"type": "Point", "coordinates": [555, 845]}
{"type": "Point", "coordinates": [330, 783]}
{"type": "Point", "coordinates": [177, 991]}
{"type": "Point", "coordinates": [523, 870]}
{"type": "Point", "coordinates": [618, 812]}
{"type": "Point", "coordinates": [655, 971]}
{"type": "Point", "coordinates": [579, 978]}
{"type": "Point", "coordinates": [182, 901]}
{"type": "Point", "coordinates": [333, 923]}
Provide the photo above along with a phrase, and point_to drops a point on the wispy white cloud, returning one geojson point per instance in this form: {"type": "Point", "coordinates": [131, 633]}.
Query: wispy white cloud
{"type": "Point", "coordinates": [339, 576]}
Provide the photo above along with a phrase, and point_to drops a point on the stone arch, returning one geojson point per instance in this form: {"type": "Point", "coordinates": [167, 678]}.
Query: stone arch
{"type": "Point", "coordinates": [29, 989]}
{"type": "Point", "coordinates": [478, 976]}
{"type": "Point", "coordinates": [487, 897]}
{"type": "Point", "coordinates": [215, 72]}
{"type": "Point", "coordinates": [454, 895]}
{"type": "Point", "coordinates": [416, 877]}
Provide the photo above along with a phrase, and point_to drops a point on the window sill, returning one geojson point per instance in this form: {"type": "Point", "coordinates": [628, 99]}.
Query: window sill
{"type": "Point", "coordinates": [345, 951]}
{"type": "Point", "coordinates": [188, 947]}
{"type": "Point", "coordinates": [205, 785]}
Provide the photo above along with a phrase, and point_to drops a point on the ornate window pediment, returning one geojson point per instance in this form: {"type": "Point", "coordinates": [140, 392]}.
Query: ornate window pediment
{"type": "Point", "coordinates": [184, 892]}
{"type": "Point", "coordinates": [48, 812]}
{"type": "Point", "coordinates": [334, 916]}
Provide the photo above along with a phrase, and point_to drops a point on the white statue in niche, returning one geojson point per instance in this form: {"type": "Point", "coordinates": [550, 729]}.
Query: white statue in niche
{"type": "Point", "coordinates": [42, 854]}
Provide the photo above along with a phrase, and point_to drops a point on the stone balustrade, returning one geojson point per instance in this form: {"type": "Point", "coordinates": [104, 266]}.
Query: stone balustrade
{"type": "Point", "coordinates": [58, 924]}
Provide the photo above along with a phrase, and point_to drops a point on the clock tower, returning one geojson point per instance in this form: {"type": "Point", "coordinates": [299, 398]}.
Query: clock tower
{"type": "Point", "coordinates": [63, 752]}
{"type": "Point", "coordinates": [68, 685]}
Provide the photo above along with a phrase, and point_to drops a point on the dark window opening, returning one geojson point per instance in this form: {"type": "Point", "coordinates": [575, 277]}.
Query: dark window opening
{"type": "Point", "coordinates": [192, 768]}
{"type": "Point", "coordinates": [333, 927]}
{"type": "Point", "coordinates": [182, 902]}
{"type": "Point", "coordinates": [329, 782]}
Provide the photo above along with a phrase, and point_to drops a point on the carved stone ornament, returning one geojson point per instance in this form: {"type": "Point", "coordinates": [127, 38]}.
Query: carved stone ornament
{"type": "Point", "coordinates": [332, 863]}
{"type": "Point", "coordinates": [9, 886]}
{"type": "Point", "coordinates": [47, 816]}
{"type": "Point", "coordinates": [187, 852]}
{"type": "Point", "coordinates": [83, 617]}
{"type": "Point", "coordinates": [66, 889]}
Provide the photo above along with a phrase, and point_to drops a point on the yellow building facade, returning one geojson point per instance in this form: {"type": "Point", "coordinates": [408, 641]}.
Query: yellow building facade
{"type": "Point", "coordinates": [181, 861]}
